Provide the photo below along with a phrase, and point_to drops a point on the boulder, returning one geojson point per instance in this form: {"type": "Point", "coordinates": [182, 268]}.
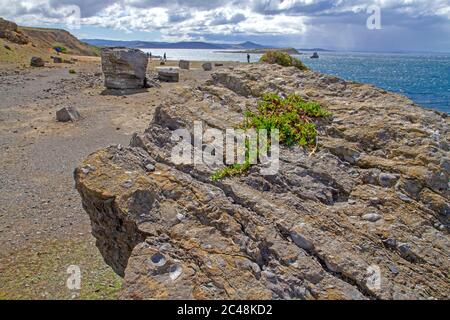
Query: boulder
{"type": "Point", "coordinates": [207, 66]}
{"type": "Point", "coordinates": [169, 75]}
{"type": "Point", "coordinates": [124, 68]}
{"type": "Point", "coordinates": [67, 114]}
{"type": "Point", "coordinates": [183, 64]}
{"type": "Point", "coordinates": [37, 62]}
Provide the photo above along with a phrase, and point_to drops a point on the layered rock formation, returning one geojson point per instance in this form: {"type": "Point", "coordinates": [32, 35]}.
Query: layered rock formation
{"type": "Point", "coordinates": [9, 31]}
{"type": "Point", "coordinates": [374, 198]}
{"type": "Point", "coordinates": [124, 68]}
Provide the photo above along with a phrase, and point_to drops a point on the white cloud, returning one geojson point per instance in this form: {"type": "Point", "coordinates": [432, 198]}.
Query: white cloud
{"type": "Point", "coordinates": [199, 19]}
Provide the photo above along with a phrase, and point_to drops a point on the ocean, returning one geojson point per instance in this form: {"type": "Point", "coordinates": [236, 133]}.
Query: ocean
{"type": "Point", "coordinates": [424, 78]}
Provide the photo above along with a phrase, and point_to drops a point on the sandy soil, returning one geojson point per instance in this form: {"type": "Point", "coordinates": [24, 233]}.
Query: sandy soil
{"type": "Point", "coordinates": [43, 228]}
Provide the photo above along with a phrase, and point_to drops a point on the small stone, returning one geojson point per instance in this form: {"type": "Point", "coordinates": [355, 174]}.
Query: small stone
{"type": "Point", "coordinates": [393, 269]}
{"type": "Point", "coordinates": [150, 167]}
{"type": "Point", "coordinates": [403, 197]}
{"type": "Point", "coordinates": [387, 180]}
{"type": "Point", "coordinates": [37, 62]}
{"type": "Point", "coordinates": [183, 64]}
{"type": "Point", "coordinates": [372, 217]}
{"type": "Point", "coordinates": [390, 243]}
{"type": "Point", "coordinates": [207, 66]}
{"type": "Point", "coordinates": [127, 184]}
{"type": "Point", "coordinates": [67, 114]}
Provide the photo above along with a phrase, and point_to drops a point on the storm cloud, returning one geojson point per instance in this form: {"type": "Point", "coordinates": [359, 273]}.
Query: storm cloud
{"type": "Point", "coordinates": [406, 24]}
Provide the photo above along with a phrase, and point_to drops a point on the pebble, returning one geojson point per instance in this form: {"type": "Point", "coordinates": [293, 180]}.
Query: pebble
{"type": "Point", "coordinates": [127, 184]}
{"type": "Point", "coordinates": [372, 217]}
{"type": "Point", "coordinates": [150, 167]}
{"type": "Point", "coordinates": [393, 269]}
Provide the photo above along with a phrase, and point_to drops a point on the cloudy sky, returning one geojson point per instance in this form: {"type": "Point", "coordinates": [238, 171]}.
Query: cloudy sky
{"type": "Point", "coordinates": [414, 25]}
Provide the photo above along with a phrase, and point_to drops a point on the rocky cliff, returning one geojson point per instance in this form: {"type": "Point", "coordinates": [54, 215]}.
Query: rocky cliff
{"type": "Point", "coordinates": [373, 198]}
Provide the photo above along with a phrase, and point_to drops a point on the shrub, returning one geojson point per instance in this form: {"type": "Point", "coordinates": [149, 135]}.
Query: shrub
{"type": "Point", "coordinates": [72, 71]}
{"type": "Point", "coordinates": [292, 116]}
{"type": "Point", "coordinates": [282, 59]}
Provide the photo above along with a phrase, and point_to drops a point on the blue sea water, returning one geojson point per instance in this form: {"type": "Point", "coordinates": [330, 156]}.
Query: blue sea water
{"type": "Point", "coordinates": [424, 78]}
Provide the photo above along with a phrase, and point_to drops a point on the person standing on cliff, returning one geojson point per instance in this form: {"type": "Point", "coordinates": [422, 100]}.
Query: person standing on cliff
{"type": "Point", "coordinates": [165, 57]}
{"type": "Point", "coordinates": [248, 57]}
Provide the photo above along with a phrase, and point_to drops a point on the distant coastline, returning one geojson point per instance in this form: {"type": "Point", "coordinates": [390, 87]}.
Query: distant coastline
{"type": "Point", "coordinates": [262, 51]}
{"type": "Point", "coordinates": [244, 47]}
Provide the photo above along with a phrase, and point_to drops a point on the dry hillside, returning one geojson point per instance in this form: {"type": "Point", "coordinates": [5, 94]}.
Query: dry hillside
{"type": "Point", "coordinates": [19, 44]}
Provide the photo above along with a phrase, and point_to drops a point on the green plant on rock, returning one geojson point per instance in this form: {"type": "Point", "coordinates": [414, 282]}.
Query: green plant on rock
{"type": "Point", "coordinates": [291, 115]}
{"type": "Point", "coordinates": [282, 59]}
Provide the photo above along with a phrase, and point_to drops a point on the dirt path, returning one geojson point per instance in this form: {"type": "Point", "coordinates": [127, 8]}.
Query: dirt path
{"type": "Point", "coordinates": [43, 228]}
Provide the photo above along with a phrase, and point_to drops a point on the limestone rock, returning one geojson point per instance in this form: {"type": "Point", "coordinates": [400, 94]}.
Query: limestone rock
{"type": "Point", "coordinates": [37, 62]}
{"type": "Point", "coordinates": [67, 114]}
{"type": "Point", "coordinates": [124, 68]}
{"type": "Point", "coordinates": [183, 64]}
{"type": "Point", "coordinates": [57, 60]}
{"type": "Point", "coordinates": [169, 75]}
{"type": "Point", "coordinates": [173, 233]}
{"type": "Point", "coordinates": [207, 66]}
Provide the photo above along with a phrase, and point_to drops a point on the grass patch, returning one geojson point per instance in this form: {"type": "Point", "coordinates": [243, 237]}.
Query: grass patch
{"type": "Point", "coordinates": [282, 59]}
{"type": "Point", "coordinates": [230, 171]}
{"type": "Point", "coordinates": [292, 116]}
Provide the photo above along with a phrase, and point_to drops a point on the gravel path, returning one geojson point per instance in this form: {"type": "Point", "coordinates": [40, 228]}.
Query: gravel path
{"type": "Point", "coordinates": [43, 228]}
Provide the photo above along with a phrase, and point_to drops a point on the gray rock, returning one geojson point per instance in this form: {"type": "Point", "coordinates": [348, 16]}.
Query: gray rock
{"type": "Point", "coordinates": [387, 180]}
{"type": "Point", "coordinates": [124, 68]}
{"type": "Point", "coordinates": [169, 75]}
{"type": "Point", "coordinates": [151, 83]}
{"type": "Point", "coordinates": [372, 217]}
{"type": "Point", "coordinates": [393, 269]}
{"type": "Point", "coordinates": [37, 62]}
{"type": "Point", "coordinates": [183, 64]}
{"type": "Point", "coordinates": [207, 66]}
{"type": "Point", "coordinates": [57, 60]}
{"type": "Point", "coordinates": [67, 114]}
